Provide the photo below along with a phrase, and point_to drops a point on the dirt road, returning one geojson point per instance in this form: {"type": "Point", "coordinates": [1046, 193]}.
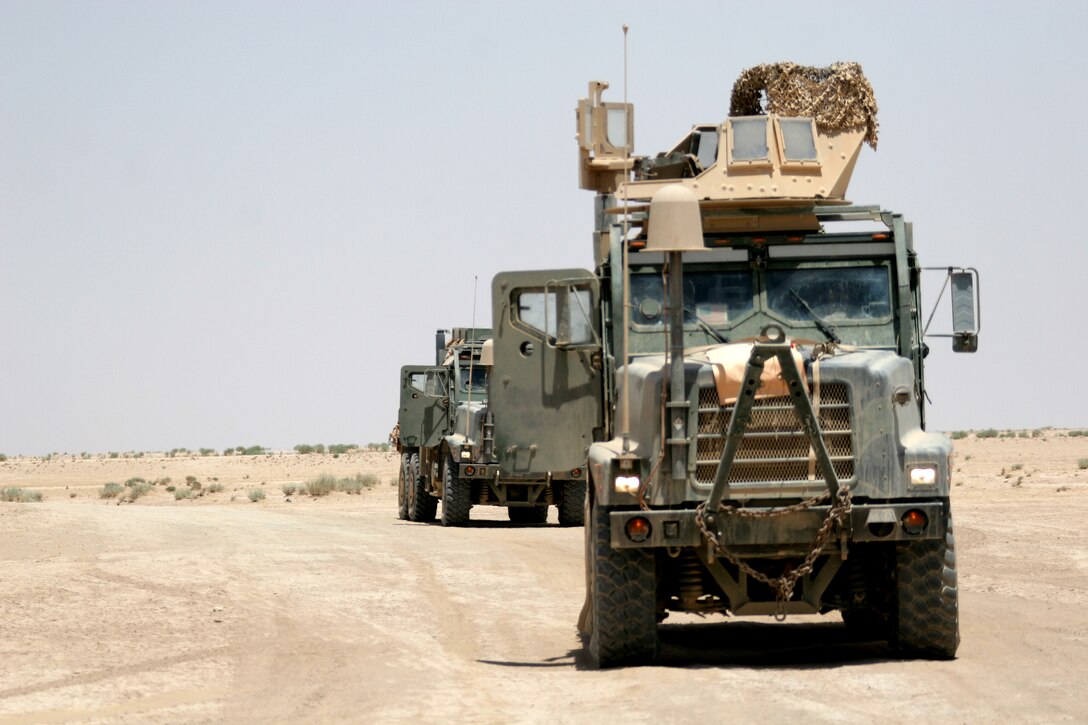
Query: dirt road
{"type": "Point", "coordinates": [332, 610]}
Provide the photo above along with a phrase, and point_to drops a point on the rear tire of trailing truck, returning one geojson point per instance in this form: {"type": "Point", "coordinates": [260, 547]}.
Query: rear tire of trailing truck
{"type": "Point", "coordinates": [927, 620]}
{"type": "Point", "coordinates": [455, 496]}
{"type": "Point", "coordinates": [623, 601]}
{"type": "Point", "coordinates": [421, 504]}
{"type": "Point", "coordinates": [402, 487]}
{"type": "Point", "coordinates": [572, 503]}
{"type": "Point", "coordinates": [527, 514]}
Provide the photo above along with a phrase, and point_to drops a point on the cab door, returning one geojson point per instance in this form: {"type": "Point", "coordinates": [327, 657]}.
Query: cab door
{"type": "Point", "coordinates": [546, 381]}
{"type": "Point", "coordinates": [424, 405]}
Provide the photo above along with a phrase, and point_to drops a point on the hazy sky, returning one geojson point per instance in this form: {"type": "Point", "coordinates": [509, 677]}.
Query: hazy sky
{"type": "Point", "coordinates": [230, 223]}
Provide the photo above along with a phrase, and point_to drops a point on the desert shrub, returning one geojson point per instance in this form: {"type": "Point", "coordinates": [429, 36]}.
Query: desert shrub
{"type": "Point", "coordinates": [3, 457]}
{"type": "Point", "coordinates": [255, 494]}
{"type": "Point", "coordinates": [180, 493]}
{"type": "Point", "coordinates": [228, 451]}
{"type": "Point", "coordinates": [380, 447]}
{"type": "Point", "coordinates": [289, 489]}
{"type": "Point", "coordinates": [988, 433]}
{"type": "Point", "coordinates": [321, 486]}
{"type": "Point", "coordinates": [350, 485]}
{"type": "Point", "coordinates": [138, 489]}
{"type": "Point", "coordinates": [114, 454]}
{"type": "Point", "coordinates": [111, 490]}
{"type": "Point", "coordinates": [1017, 466]}
{"type": "Point", "coordinates": [364, 480]}
{"type": "Point", "coordinates": [171, 489]}
{"type": "Point", "coordinates": [339, 448]}
{"type": "Point", "coordinates": [1037, 433]}
{"type": "Point", "coordinates": [1077, 433]}
{"type": "Point", "coordinates": [319, 448]}
{"type": "Point", "coordinates": [161, 481]}
{"type": "Point", "coordinates": [957, 435]}
{"type": "Point", "coordinates": [1082, 463]}
{"type": "Point", "coordinates": [14, 494]}
{"type": "Point", "coordinates": [214, 488]}
{"type": "Point", "coordinates": [135, 480]}
{"type": "Point", "coordinates": [207, 451]}
{"type": "Point", "coordinates": [252, 451]}
{"type": "Point", "coordinates": [304, 448]}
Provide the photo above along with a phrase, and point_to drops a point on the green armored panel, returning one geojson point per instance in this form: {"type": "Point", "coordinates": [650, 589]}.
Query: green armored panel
{"type": "Point", "coordinates": [423, 405]}
{"type": "Point", "coordinates": [546, 382]}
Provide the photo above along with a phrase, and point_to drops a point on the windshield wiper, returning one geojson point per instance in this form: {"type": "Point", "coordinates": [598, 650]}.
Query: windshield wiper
{"type": "Point", "coordinates": [705, 326]}
{"type": "Point", "coordinates": [822, 326]}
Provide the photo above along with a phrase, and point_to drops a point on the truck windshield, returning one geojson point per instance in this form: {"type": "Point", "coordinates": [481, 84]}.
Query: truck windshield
{"type": "Point", "coordinates": [851, 299]}
{"type": "Point", "coordinates": [716, 297]}
{"type": "Point", "coordinates": [477, 385]}
{"type": "Point", "coordinates": [834, 294]}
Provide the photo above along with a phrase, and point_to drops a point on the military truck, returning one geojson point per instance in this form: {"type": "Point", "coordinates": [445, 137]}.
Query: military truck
{"type": "Point", "coordinates": [452, 449]}
{"type": "Point", "coordinates": [746, 359]}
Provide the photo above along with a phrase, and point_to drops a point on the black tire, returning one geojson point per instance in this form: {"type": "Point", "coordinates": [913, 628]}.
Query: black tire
{"type": "Point", "coordinates": [927, 622]}
{"type": "Point", "coordinates": [456, 492]}
{"type": "Point", "coordinates": [421, 504]}
{"type": "Point", "coordinates": [622, 614]}
{"type": "Point", "coordinates": [402, 487]}
{"type": "Point", "coordinates": [527, 514]}
{"type": "Point", "coordinates": [572, 503]}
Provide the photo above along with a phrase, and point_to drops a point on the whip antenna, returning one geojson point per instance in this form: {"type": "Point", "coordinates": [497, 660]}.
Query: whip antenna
{"type": "Point", "coordinates": [626, 422]}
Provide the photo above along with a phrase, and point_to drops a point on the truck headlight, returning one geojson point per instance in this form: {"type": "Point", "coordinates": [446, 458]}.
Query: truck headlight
{"type": "Point", "coordinates": [465, 454]}
{"type": "Point", "coordinates": [627, 484]}
{"type": "Point", "coordinates": [923, 476]}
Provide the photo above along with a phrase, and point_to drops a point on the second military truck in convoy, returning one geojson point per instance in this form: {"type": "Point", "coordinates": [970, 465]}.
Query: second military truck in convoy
{"type": "Point", "coordinates": [455, 446]}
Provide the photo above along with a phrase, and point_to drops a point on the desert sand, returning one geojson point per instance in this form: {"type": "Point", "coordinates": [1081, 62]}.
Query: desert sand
{"type": "Point", "coordinates": [300, 609]}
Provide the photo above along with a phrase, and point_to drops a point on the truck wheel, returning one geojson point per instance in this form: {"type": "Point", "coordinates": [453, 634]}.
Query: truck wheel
{"type": "Point", "coordinates": [455, 496]}
{"type": "Point", "coordinates": [402, 487]}
{"type": "Point", "coordinates": [572, 503]}
{"type": "Point", "coordinates": [623, 604]}
{"type": "Point", "coordinates": [927, 622]}
{"type": "Point", "coordinates": [527, 514]}
{"type": "Point", "coordinates": [421, 504]}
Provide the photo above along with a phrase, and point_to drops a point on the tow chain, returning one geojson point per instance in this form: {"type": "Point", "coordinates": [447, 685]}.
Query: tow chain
{"type": "Point", "coordinates": [782, 586]}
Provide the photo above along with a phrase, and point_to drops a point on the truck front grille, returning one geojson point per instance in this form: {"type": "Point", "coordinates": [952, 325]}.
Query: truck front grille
{"type": "Point", "coordinates": [775, 448]}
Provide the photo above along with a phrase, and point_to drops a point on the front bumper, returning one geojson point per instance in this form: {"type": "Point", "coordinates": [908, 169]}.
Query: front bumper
{"type": "Point", "coordinates": [780, 534]}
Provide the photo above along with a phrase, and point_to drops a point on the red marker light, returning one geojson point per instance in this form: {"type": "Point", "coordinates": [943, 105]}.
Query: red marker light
{"type": "Point", "coordinates": [638, 529]}
{"type": "Point", "coordinates": [914, 522]}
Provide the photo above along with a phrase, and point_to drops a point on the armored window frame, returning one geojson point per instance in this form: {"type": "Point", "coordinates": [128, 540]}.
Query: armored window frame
{"type": "Point", "coordinates": [544, 323]}
{"type": "Point", "coordinates": [787, 162]}
{"type": "Point", "coordinates": [732, 126]}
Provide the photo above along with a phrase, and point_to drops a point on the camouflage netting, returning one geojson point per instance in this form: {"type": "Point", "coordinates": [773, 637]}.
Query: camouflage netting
{"type": "Point", "coordinates": [838, 97]}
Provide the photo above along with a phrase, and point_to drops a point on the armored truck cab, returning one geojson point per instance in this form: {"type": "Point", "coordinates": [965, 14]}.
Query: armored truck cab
{"type": "Point", "coordinates": [760, 446]}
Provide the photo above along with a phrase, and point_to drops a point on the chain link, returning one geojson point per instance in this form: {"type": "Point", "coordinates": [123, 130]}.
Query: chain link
{"type": "Point", "coordinates": [782, 586]}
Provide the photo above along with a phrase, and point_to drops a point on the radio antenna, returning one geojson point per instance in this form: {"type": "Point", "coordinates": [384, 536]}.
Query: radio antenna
{"type": "Point", "coordinates": [626, 422]}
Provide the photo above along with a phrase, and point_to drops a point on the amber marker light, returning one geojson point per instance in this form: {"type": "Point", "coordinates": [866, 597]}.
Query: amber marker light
{"type": "Point", "coordinates": [470, 470]}
{"type": "Point", "coordinates": [638, 529]}
{"type": "Point", "coordinates": [914, 522]}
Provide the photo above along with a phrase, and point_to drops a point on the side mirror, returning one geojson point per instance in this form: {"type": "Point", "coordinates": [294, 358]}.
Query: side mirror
{"type": "Point", "coordinates": [964, 313]}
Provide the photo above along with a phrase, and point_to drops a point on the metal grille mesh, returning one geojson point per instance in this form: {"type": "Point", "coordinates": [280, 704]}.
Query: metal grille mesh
{"type": "Point", "coordinates": [775, 448]}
